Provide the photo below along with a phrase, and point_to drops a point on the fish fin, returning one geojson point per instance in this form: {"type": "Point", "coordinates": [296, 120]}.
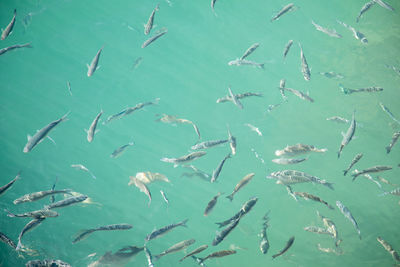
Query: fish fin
{"type": "Point", "coordinates": [230, 197]}
{"type": "Point", "coordinates": [29, 137]}
{"type": "Point", "coordinates": [51, 139]}
{"type": "Point", "coordinates": [184, 222]}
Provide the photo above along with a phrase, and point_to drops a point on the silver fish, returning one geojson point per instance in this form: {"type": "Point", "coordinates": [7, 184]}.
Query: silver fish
{"type": "Point", "coordinates": [338, 119]}
{"type": "Point", "coordinates": [250, 50]}
{"type": "Point", "coordinates": [9, 27]}
{"type": "Point", "coordinates": [47, 263]}
{"type": "Point", "coordinates": [217, 254]}
{"type": "Point", "coordinates": [130, 110]}
{"type": "Point", "coordinates": [7, 240]}
{"type": "Point", "coordinates": [246, 207]}
{"type": "Point", "coordinates": [185, 158]}
{"type": "Point", "coordinates": [149, 25]}
{"type": "Point", "coordinates": [349, 134]}
{"type": "Point", "coordinates": [346, 212]}
{"type": "Point", "coordinates": [12, 47]}
{"type": "Point", "coordinates": [285, 161]}
{"type": "Point", "coordinates": [245, 180]}
{"type": "Point", "coordinates": [389, 248]}
{"type": "Point", "coordinates": [69, 88]}
{"type": "Point", "coordinates": [44, 213]}
{"type": "Point", "coordinates": [118, 152]}
{"type": "Point", "coordinates": [213, 4]}
{"type": "Point", "coordinates": [142, 187]}
{"type": "Point", "coordinates": [149, 257]}
{"type": "Point", "coordinates": [42, 133]}
{"type": "Point", "coordinates": [374, 169]}
{"type": "Point", "coordinates": [240, 62]}
{"type": "Point", "coordinates": [110, 227]}
{"type": "Point", "coordinates": [358, 35]}
{"type": "Point", "coordinates": [300, 94]}
{"type": "Point", "coordinates": [196, 251]}
{"type": "Point", "coordinates": [298, 149]}
{"type": "Point", "coordinates": [352, 163]}
{"type": "Point", "coordinates": [349, 91]}
{"type": "Point", "coordinates": [384, 108]}
{"type": "Point", "coordinates": [331, 33]}
{"type": "Point", "coordinates": [4, 188]}
{"type": "Point", "coordinates": [93, 65]}
{"type": "Point", "coordinates": [39, 195]}
{"type": "Point", "coordinates": [153, 38]}
{"type": "Point", "coordinates": [208, 144]}
{"type": "Point", "coordinates": [235, 100]}
{"type": "Point", "coordinates": [238, 96]}
{"type": "Point", "coordinates": [137, 62]}
{"type": "Point", "coordinates": [304, 65]}
{"type": "Point", "coordinates": [119, 258]}
{"type": "Point", "coordinates": [264, 243]}
{"type": "Point", "coordinates": [331, 74]}
{"type": "Point", "coordinates": [175, 248]}
{"type": "Point", "coordinates": [172, 119]}
{"type": "Point", "coordinates": [253, 128]}
{"type": "Point", "coordinates": [395, 138]}
{"type": "Point", "coordinates": [384, 5]}
{"type": "Point", "coordinates": [330, 226]}
{"type": "Point", "coordinates": [28, 227]}
{"type": "Point", "coordinates": [232, 142]}
{"type": "Point", "coordinates": [364, 9]}
{"type": "Point", "coordinates": [289, 243]}
{"type": "Point", "coordinates": [92, 129]}
{"type": "Point", "coordinates": [287, 48]}
{"type": "Point", "coordinates": [164, 197]}
{"type": "Point", "coordinates": [288, 177]}
{"type": "Point", "coordinates": [211, 204]}
{"type": "Point", "coordinates": [162, 231]}
{"type": "Point", "coordinates": [82, 168]}
{"type": "Point", "coordinates": [395, 192]}
{"type": "Point", "coordinates": [284, 10]}
{"type": "Point", "coordinates": [67, 202]}
{"type": "Point", "coordinates": [224, 233]}
{"type": "Point", "coordinates": [205, 176]}
{"type": "Point", "coordinates": [317, 230]}
{"type": "Point", "coordinates": [218, 170]}
{"type": "Point", "coordinates": [306, 195]}
{"type": "Point", "coordinates": [282, 84]}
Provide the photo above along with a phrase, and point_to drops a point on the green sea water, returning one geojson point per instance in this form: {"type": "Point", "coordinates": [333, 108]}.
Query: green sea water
{"type": "Point", "coordinates": [187, 69]}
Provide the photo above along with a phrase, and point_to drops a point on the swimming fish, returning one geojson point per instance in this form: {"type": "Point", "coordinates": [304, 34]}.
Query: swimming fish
{"type": "Point", "coordinates": [218, 170]}
{"type": "Point", "coordinates": [6, 32]}
{"type": "Point", "coordinates": [304, 65]}
{"type": "Point", "coordinates": [162, 231]}
{"type": "Point", "coordinates": [119, 258]}
{"type": "Point", "coordinates": [208, 144]}
{"type": "Point", "coordinates": [42, 133]}
{"type": "Point", "coordinates": [196, 251]}
{"type": "Point", "coordinates": [4, 188]}
{"type": "Point", "coordinates": [383, 180]}
{"type": "Point", "coordinates": [378, 168]}
{"type": "Point", "coordinates": [349, 91]}
{"type": "Point", "coordinates": [142, 187]}
{"type": "Point", "coordinates": [395, 192]}
{"type": "Point", "coordinates": [264, 243]}
{"type": "Point", "coordinates": [358, 35]}
{"type": "Point", "coordinates": [330, 226]}
{"type": "Point", "coordinates": [246, 207]}
{"type": "Point", "coordinates": [12, 47]}
{"type": "Point", "coordinates": [110, 227]}
{"type": "Point", "coordinates": [46, 263]}
{"type": "Point", "coordinates": [306, 195]}
{"type": "Point", "coordinates": [93, 65]}
{"type": "Point", "coordinates": [69, 88]}
{"type": "Point", "coordinates": [353, 162]}
{"type": "Point", "coordinates": [39, 195]}
{"type": "Point", "coordinates": [300, 94]}
{"type": "Point", "coordinates": [331, 74]}
{"type": "Point", "coordinates": [250, 50]}
{"type": "Point", "coordinates": [153, 38]}
{"type": "Point", "coordinates": [164, 197]}
{"type": "Point", "coordinates": [346, 212]}
{"type": "Point", "coordinates": [389, 248]}
{"type": "Point", "coordinates": [7, 240]}
{"type": "Point", "coordinates": [284, 10]}
{"type": "Point", "coordinates": [28, 227]}
{"type": "Point", "coordinates": [130, 110]}
{"type": "Point", "coordinates": [384, 108]}
{"type": "Point", "coordinates": [253, 128]}
{"type": "Point", "coordinates": [218, 254]}
{"type": "Point", "coordinates": [175, 248]}
{"type": "Point", "coordinates": [287, 48]}
{"type": "Point", "coordinates": [286, 161]}
{"type": "Point", "coordinates": [67, 202]}
{"type": "Point", "coordinates": [282, 84]}
{"type": "Point", "coordinates": [245, 180]}
{"type": "Point", "coordinates": [331, 33]}
{"type": "Point", "coordinates": [338, 119]}
{"type": "Point", "coordinates": [298, 149]}
{"type": "Point", "coordinates": [149, 25]}
{"type": "Point", "coordinates": [238, 96]}
{"type": "Point", "coordinates": [149, 257]}
{"type": "Point", "coordinates": [149, 177]}
{"type": "Point", "coordinates": [211, 204]}
{"type": "Point", "coordinates": [395, 138]}
{"type": "Point", "coordinates": [136, 63]}
{"type": "Point", "coordinates": [317, 230]}
{"type": "Point", "coordinates": [365, 8]}
{"type": "Point", "coordinates": [118, 152]}
{"type": "Point", "coordinates": [288, 177]}
{"type": "Point", "coordinates": [384, 5]}
{"type": "Point", "coordinates": [224, 233]}
{"type": "Point", "coordinates": [92, 128]}
{"type": "Point", "coordinates": [232, 142]}
{"type": "Point", "coordinates": [172, 119]}
{"type": "Point", "coordinates": [349, 134]}
{"type": "Point", "coordinates": [235, 100]}
{"type": "Point", "coordinates": [240, 62]}
{"type": "Point", "coordinates": [185, 158]}
{"type": "Point", "coordinates": [196, 172]}
{"type": "Point", "coordinates": [286, 248]}
{"type": "Point", "coordinates": [43, 213]}
{"type": "Point", "coordinates": [213, 4]}
{"type": "Point", "coordinates": [82, 168]}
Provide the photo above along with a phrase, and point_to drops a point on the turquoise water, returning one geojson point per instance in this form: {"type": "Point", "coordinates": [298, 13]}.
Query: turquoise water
{"type": "Point", "coordinates": [187, 69]}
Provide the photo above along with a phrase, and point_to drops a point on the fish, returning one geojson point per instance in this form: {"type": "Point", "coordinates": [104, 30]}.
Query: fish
{"type": "Point", "coordinates": [186, 158]}
{"type": "Point", "coordinates": [365, 8]}
{"type": "Point", "coordinates": [118, 152]}
{"type": "Point", "coordinates": [218, 170]}
{"type": "Point", "coordinates": [331, 33]}
{"type": "Point", "coordinates": [92, 129]}
{"type": "Point", "coordinates": [208, 144]}
{"type": "Point", "coordinates": [198, 261]}
{"type": "Point", "coordinates": [153, 38]}
{"type": "Point", "coordinates": [284, 10]}
{"type": "Point", "coordinates": [4, 188]}
{"type": "Point", "coordinates": [282, 84]}
{"type": "Point", "coordinates": [52, 197]}
{"type": "Point", "coordinates": [336, 250]}
{"type": "Point", "coordinates": [46, 263]}
{"type": "Point", "coordinates": [234, 99]}
{"type": "Point", "coordinates": [149, 25]}
{"type": "Point", "coordinates": [331, 74]}
{"type": "Point", "coordinates": [287, 48]}
{"type": "Point", "coordinates": [264, 243]}
{"type": "Point", "coordinates": [246, 207]}
{"type": "Point", "coordinates": [164, 197]}
{"type": "Point", "coordinates": [369, 177]}
{"type": "Point", "coordinates": [136, 63]}
{"type": "Point", "coordinates": [253, 128]}
{"type": "Point", "coordinates": [149, 177]}
{"type": "Point", "coordinates": [12, 47]}
{"type": "Point", "coordinates": [286, 161]}
{"type": "Point", "coordinates": [43, 213]}
{"type": "Point", "coordinates": [7, 240]}
{"type": "Point", "coordinates": [142, 187]}
{"type": "Point", "coordinates": [172, 119]}
{"type": "Point", "coordinates": [238, 96]}
{"type": "Point", "coordinates": [298, 149]}
{"type": "Point", "coordinates": [6, 32]}
{"type": "Point", "coordinates": [175, 248]}
{"type": "Point", "coordinates": [67, 202]}
{"type": "Point", "coordinates": [353, 162]}
{"type": "Point", "coordinates": [110, 227]}
{"type": "Point", "coordinates": [330, 226]}
{"type": "Point", "coordinates": [346, 212]}
{"type": "Point", "coordinates": [358, 35]}
{"type": "Point", "coordinates": [69, 88]}
{"type": "Point", "coordinates": [211, 204]}
{"type": "Point", "coordinates": [224, 233]}
{"type": "Point", "coordinates": [250, 50]}
{"type": "Point", "coordinates": [197, 172]}
{"type": "Point", "coordinates": [149, 257]}
{"type": "Point", "coordinates": [372, 89]}
{"type": "Point", "coordinates": [289, 243]}
{"type": "Point", "coordinates": [304, 65]}
{"type": "Point", "coordinates": [300, 94]}
{"type": "Point", "coordinates": [388, 248]}
{"type": "Point", "coordinates": [39, 195]}
{"type": "Point", "coordinates": [138, 106]}
{"type": "Point", "coordinates": [374, 169]}
{"type": "Point", "coordinates": [232, 142]}
{"type": "Point", "coordinates": [93, 65]}
{"type": "Point", "coordinates": [162, 231]}
{"type": "Point", "coordinates": [42, 133]}
{"type": "Point", "coordinates": [338, 119]}
{"type": "Point", "coordinates": [288, 177]}
{"type": "Point", "coordinates": [196, 251]}
{"type": "Point", "coordinates": [384, 5]}
{"type": "Point", "coordinates": [383, 180]}
{"type": "Point", "coordinates": [272, 107]}
{"type": "Point", "coordinates": [119, 258]}
{"type": "Point", "coordinates": [245, 180]}
{"type": "Point", "coordinates": [240, 62]}
{"type": "Point", "coordinates": [82, 168]}
{"type": "Point", "coordinates": [349, 134]}
{"type": "Point", "coordinates": [306, 195]}
{"type": "Point", "coordinates": [395, 138]}
{"type": "Point", "coordinates": [384, 108]}
{"type": "Point", "coordinates": [213, 4]}
{"type": "Point", "coordinates": [395, 192]}
{"type": "Point", "coordinates": [218, 254]}
{"type": "Point", "coordinates": [28, 227]}
{"type": "Point", "coordinates": [317, 230]}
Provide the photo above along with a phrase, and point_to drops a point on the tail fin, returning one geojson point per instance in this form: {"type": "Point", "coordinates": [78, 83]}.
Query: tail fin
{"type": "Point", "coordinates": [183, 223]}
{"type": "Point", "coordinates": [230, 197]}
{"type": "Point", "coordinates": [9, 214]}
{"type": "Point", "coordinates": [330, 185]}
{"type": "Point", "coordinates": [345, 172]}
{"type": "Point", "coordinates": [388, 148]}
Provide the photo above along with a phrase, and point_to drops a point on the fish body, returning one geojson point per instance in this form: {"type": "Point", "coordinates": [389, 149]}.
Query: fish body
{"type": "Point", "coordinates": [185, 158]}
{"type": "Point", "coordinates": [306, 195]}
{"type": "Point", "coordinates": [28, 227]}
{"type": "Point", "coordinates": [153, 38]}
{"type": "Point", "coordinates": [41, 134]}
{"type": "Point", "coordinates": [162, 231]}
{"type": "Point", "coordinates": [47, 263]}
{"type": "Point", "coordinates": [12, 47]}
{"type": "Point", "coordinates": [149, 257]}
{"type": "Point", "coordinates": [395, 192]}
{"type": "Point", "coordinates": [110, 227]}
{"type": "Point", "coordinates": [172, 119]}
{"type": "Point", "coordinates": [142, 187]}
{"type": "Point", "coordinates": [317, 230]}
{"type": "Point", "coordinates": [164, 197]}
{"type": "Point", "coordinates": [288, 177]}
{"type": "Point", "coordinates": [389, 248]}
{"type": "Point", "coordinates": [283, 11]}
{"type": "Point", "coordinates": [353, 162]}
{"type": "Point", "coordinates": [240, 62]}
{"type": "Point", "coordinates": [331, 33]}
{"type": "Point", "coordinates": [39, 195]}
{"type": "Point", "coordinates": [300, 94]}
{"type": "Point", "coordinates": [287, 48]}
{"type": "Point", "coordinates": [264, 243]}
{"type": "Point", "coordinates": [213, 4]}
{"type": "Point", "coordinates": [208, 144]}
{"type": "Point", "coordinates": [330, 226]}
{"type": "Point", "coordinates": [245, 180]}
{"type": "Point", "coordinates": [358, 35]}
{"type": "Point", "coordinates": [6, 32]}
{"type": "Point", "coordinates": [250, 50]}
{"type": "Point", "coordinates": [196, 251]}
{"type": "Point", "coordinates": [218, 170]}
{"type": "Point", "coordinates": [93, 65]}
{"type": "Point", "coordinates": [118, 152]}
{"type": "Point", "coordinates": [175, 248]}
{"type": "Point", "coordinates": [4, 188]}
{"type": "Point", "coordinates": [298, 149]}
{"type": "Point", "coordinates": [149, 25]}
{"type": "Point", "coordinates": [82, 168]}
{"type": "Point", "coordinates": [383, 180]}
{"type": "Point", "coordinates": [282, 84]}
{"type": "Point", "coordinates": [44, 213]}
{"type": "Point", "coordinates": [246, 207]}
{"type": "Point", "coordinates": [286, 161]}
{"type": "Point", "coordinates": [211, 204]}
{"type": "Point", "coordinates": [349, 134]}
{"type": "Point", "coordinates": [372, 89]}
{"type": "Point", "coordinates": [378, 168]}
{"type": "Point", "coordinates": [254, 129]}
{"type": "Point", "coordinates": [365, 8]}
{"type": "Point", "coordinates": [93, 126]}
{"type": "Point", "coordinates": [119, 258]}
{"type": "Point", "coordinates": [7, 240]}
{"type": "Point", "coordinates": [218, 254]}
{"type": "Point", "coordinates": [346, 212]}
{"type": "Point", "coordinates": [67, 202]}
{"type": "Point", "coordinates": [286, 248]}
{"type": "Point", "coordinates": [69, 88]}
{"type": "Point", "coordinates": [149, 177]}
{"type": "Point", "coordinates": [395, 138]}
{"type": "Point", "coordinates": [137, 62]}
{"type": "Point", "coordinates": [338, 119]}
{"type": "Point", "coordinates": [384, 108]}
{"type": "Point", "coordinates": [304, 65]}
{"type": "Point", "coordinates": [331, 74]}
{"type": "Point", "coordinates": [197, 172]}
{"type": "Point", "coordinates": [384, 5]}
{"type": "Point", "coordinates": [224, 233]}
{"type": "Point", "coordinates": [232, 142]}
{"type": "Point", "coordinates": [238, 96]}
{"type": "Point", "coordinates": [235, 100]}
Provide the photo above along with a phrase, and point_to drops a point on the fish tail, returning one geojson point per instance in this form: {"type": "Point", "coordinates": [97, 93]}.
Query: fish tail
{"type": "Point", "coordinates": [157, 257]}
{"type": "Point", "coordinates": [64, 118]}
{"type": "Point", "coordinates": [262, 65]}
{"type": "Point", "coordinates": [9, 214]}
{"type": "Point", "coordinates": [19, 246]}
{"type": "Point", "coordinates": [383, 194]}
{"type": "Point", "coordinates": [330, 185]}
{"type": "Point", "coordinates": [345, 172]}
{"type": "Point", "coordinates": [354, 176]}
{"type": "Point", "coordinates": [220, 224]}
{"type": "Point", "coordinates": [387, 149]}
{"type": "Point", "coordinates": [183, 223]}
{"type": "Point", "coordinates": [230, 197]}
